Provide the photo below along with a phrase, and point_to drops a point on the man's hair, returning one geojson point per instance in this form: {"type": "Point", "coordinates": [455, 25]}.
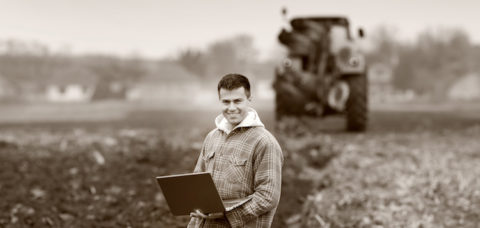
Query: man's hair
{"type": "Point", "coordinates": [234, 81]}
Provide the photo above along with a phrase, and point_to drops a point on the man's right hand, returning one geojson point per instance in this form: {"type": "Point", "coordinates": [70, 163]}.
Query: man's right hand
{"type": "Point", "coordinates": [199, 214]}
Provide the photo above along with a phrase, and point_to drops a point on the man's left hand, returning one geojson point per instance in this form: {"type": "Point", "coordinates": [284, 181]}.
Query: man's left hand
{"type": "Point", "coordinates": [199, 214]}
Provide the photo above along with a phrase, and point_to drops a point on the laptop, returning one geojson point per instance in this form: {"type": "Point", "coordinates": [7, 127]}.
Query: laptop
{"type": "Point", "coordinates": [186, 193]}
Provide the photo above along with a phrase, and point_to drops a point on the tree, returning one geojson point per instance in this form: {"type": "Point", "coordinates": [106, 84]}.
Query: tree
{"type": "Point", "coordinates": [385, 46]}
{"type": "Point", "coordinates": [115, 75]}
{"type": "Point", "coordinates": [23, 63]}
{"type": "Point", "coordinates": [434, 61]}
{"type": "Point", "coordinates": [193, 61]}
{"type": "Point", "coordinates": [236, 54]}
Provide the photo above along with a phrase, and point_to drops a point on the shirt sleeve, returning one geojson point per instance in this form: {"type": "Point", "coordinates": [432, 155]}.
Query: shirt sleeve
{"type": "Point", "coordinates": [200, 166]}
{"type": "Point", "coordinates": [267, 185]}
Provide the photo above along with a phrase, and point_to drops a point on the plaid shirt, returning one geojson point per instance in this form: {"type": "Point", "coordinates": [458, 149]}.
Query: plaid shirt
{"type": "Point", "coordinates": [246, 163]}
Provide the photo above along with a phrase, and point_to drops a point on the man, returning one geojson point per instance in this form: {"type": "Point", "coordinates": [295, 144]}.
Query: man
{"type": "Point", "coordinates": [244, 159]}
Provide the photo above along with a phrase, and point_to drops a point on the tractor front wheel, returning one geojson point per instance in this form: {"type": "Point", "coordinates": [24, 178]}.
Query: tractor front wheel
{"type": "Point", "coordinates": [357, 103]}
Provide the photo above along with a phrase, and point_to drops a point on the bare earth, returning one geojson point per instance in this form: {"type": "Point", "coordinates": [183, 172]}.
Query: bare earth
{"type": "Point", "coordinates": [416, 166]}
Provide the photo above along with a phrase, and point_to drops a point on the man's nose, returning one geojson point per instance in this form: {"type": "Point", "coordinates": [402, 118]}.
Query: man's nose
{"type": "Point", "coordinates": [231, 107]}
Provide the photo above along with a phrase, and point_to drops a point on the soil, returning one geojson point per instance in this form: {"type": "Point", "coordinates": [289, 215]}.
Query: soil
{"type": "Point", "coordinates": [101, 173]}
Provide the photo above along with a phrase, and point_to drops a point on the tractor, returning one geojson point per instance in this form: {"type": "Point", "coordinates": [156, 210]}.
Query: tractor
{"type": "Point", "coordinates": [324, 72]}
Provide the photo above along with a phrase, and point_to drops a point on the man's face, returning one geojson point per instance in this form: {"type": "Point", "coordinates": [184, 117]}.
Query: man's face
{"type": "Point", "coordinates": [235, 104]}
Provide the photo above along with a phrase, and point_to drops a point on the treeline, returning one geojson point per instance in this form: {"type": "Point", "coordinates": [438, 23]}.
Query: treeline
{"type": "Point", "coordinates": [427, 65]}
{"type": "Point", "coordinates": [28, 62]}
{"type": "Point", "coordinates": [234, 54]}
{"type": "Point", "coordinates": [430, 63]}
{"type": "Point", "coordinates": [30, 66]}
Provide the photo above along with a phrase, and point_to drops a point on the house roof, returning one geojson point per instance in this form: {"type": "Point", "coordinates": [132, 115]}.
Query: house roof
{"type": "Point", "coordinates": [67, 75]}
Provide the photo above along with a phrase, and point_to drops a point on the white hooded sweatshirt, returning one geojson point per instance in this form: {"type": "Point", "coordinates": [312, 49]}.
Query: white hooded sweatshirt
{"type": "Point", "coordinates": [251, 120]}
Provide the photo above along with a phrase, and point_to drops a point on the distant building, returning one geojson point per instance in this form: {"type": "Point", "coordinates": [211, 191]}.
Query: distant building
{"type": "Point", "coordinates": [465, 88]}
{"type": "Point", "coordinates": [70, 84]}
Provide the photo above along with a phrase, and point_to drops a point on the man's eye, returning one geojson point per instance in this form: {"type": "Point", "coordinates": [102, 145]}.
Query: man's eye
{"type": "Point", "coordinates": [225, 102]}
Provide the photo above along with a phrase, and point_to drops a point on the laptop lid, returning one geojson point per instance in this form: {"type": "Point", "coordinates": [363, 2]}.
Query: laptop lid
{"type": "Point", "coordinates": [186, 193]}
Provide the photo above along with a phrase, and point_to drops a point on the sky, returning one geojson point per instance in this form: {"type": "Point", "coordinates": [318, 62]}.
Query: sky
{"type": "Point", "coordinates": [161, 28]}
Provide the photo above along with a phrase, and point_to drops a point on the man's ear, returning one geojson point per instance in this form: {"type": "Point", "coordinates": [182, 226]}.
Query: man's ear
{"type": "Point", "coordinates": [249, 99]}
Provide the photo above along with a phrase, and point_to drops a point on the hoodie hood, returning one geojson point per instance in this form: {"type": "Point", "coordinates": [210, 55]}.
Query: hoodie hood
{"type": "Point", "coordinates": [251, 120]}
